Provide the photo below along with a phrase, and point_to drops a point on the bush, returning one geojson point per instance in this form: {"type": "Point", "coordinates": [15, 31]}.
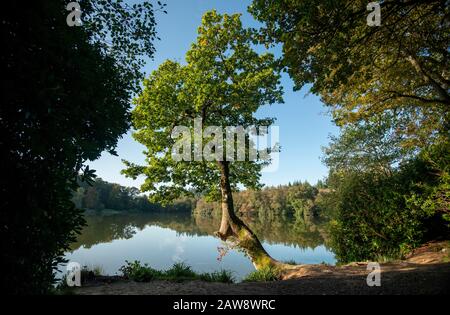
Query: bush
{"type": "Point", "coordinates": [372, 220]}
{"type": "Point", "coordinates": [386, 215]}
{"type": "Point", "coordinates": [178, 272]}
{"type": "Point", "coordinates": [139, 273]}
{"type": "Point", "coordinates": [224, 276]}
{"type": "Point", "coordinates": [264, 274]}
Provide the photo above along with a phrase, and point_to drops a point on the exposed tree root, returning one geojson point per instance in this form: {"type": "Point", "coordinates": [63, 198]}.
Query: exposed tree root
{"type": "Point", "coordinates": [233, 229]}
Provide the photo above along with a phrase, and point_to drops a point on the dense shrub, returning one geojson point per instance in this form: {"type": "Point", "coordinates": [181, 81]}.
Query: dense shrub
{"type": "Point", "coordinates": [379, 215]}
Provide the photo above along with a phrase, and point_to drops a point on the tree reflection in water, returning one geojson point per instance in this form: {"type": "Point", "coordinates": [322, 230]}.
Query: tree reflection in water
{"type": "Point", "coordinates": [290, 231]}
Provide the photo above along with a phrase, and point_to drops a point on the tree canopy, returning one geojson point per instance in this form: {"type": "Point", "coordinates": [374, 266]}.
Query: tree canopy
{"type": "Point", "coordinates": [65, 99]}
{"type": "Point", "coordinates": [359, 70]}
{"type": "Point", "coordinates": [223, 82]}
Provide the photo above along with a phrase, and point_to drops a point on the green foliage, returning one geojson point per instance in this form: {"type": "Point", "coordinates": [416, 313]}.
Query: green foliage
{"type": "Point", "coordinates": [368, 145]}
{"type": "Point", "coordinates": [66, 100]}
{"type": "Point", "coordinates": [380, 214]}
{"type": "Point", "coordinates": [359, 70]}
{"type": "Point", "coordinates": [224, 276]}
{"type": "Point", "coordinates": [128, 43]}
{"type": "Point", "coordinates": [388, 88]}
{"type": "Point", "coordinates": [139, 273]}
{"type": "Point", "coordinates": [264, 274]}
{"type": "Point", "coordinates": [224, 82]}
{"type": "Point", "coordinates": [434, 196]}
{"type": "Point", "coordinates": [298, 200]}
{"type": "Point", "coordinates": [101, 195]}
{"type": "Point", "coordinates": [385, 199]}
{"type": "Point", "coordinates": [178, 272]}
{"type": "Point", "coordinates": [372, 218]}
{"type": "Point", "coordinates": [301, 200]}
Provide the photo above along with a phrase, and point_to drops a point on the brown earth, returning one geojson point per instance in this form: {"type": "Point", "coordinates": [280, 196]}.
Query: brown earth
{"type": "Point", "coordinates": [424, 271]}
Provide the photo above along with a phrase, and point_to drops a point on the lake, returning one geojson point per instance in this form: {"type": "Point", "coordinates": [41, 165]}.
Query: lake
{"type": "Point", "coordinates": [160, 239]}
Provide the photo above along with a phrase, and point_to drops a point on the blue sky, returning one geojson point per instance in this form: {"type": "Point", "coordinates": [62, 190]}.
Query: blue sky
{"type": "Point", "coordinates": [303, 123]}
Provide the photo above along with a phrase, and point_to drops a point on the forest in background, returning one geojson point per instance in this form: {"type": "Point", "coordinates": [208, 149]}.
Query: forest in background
{"type": "Point", "coordinates": [100, 195]}
{"type": "Point", "coordinates": [298, 200]}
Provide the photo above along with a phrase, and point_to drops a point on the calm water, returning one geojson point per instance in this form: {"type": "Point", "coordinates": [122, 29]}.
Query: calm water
{"type": "Point", "coordinates": [162, 239]}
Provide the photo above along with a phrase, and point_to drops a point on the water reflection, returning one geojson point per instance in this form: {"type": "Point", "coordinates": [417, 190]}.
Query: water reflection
{"type": "Point", "coordinates": [162, 238]}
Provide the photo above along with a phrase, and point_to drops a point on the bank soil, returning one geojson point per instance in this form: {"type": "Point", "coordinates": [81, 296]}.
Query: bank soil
{"type": "Point", "coordinates": [424, 271]}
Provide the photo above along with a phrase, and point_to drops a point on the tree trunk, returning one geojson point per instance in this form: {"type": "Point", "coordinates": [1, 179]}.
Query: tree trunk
{"type": "Point", "coordinates": [231, 227]}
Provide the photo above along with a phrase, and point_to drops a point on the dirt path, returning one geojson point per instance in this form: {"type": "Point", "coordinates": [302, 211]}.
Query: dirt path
{"type": "Point", "coordinates": [424, 272]}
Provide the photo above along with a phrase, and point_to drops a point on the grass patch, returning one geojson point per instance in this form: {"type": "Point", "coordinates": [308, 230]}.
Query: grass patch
{"type": "Point", "coordinates": [264, 274]}
{"type": "Point", "coordinates": [224, 276]}
{"type": "Point", "coordinates": [383, 259]}
{"type": "Point", "coordinates": [178, 272]}
{"type": "Point", "coordinates": [139, 273]}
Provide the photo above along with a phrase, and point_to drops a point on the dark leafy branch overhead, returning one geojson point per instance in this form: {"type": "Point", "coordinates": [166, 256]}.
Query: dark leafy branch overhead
{"type": "Point", "coordinates": [124, 31]}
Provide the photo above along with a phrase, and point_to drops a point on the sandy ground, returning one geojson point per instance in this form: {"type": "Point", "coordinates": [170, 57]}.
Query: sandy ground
{"type": "Point", "coordinates": [425, 271]}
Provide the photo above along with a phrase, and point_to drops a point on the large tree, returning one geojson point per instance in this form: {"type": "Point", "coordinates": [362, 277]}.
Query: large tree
{"type": "Point", "coordinates": [388, 88]}
{"type": "Point", "coordinates": [65, 99]}
{"type": "Point", "coordinates": [223, 83]}
{"type": "Point", "coordinates": [362, 70]}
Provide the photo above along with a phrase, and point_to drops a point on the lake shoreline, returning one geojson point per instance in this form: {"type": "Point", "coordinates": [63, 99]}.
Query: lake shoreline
{"type": "Point", "coordinates": [161, 239]}
{"type": "Point", "coordinates": [425, 271]}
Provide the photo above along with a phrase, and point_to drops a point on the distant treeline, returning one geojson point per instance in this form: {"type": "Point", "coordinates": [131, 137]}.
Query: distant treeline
{"type": "Point", "coordinates": [102, 195]}
{"type": "Point", "coordinates": [299, 199]}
